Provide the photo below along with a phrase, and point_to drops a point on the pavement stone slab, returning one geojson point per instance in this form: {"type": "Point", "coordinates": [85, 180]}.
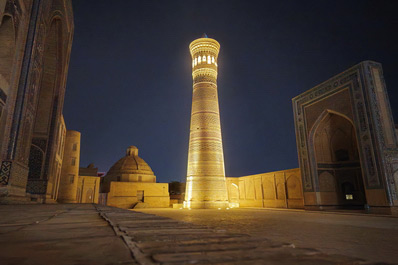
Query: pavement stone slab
{"type": "Point", "coordinates": [187, 243]}
{"type": "Point", "coordinates": [64, 234]}
{"type": "Point", "coordinates": [94, 234]}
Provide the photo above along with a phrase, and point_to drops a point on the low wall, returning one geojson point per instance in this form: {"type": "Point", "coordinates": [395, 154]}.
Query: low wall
{"type": "Point", "coordinates": [124, 194]}
{"type": "Point", "coordinates": [88, 189]}
{"type": "Point", "coordinates": [279, 189]}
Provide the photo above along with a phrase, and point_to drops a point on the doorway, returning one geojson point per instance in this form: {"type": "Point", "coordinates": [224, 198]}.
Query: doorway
{"type": "Point", "coordinates": [338, 167]}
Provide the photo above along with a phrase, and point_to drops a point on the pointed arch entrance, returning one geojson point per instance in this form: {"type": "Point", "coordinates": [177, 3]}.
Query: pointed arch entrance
{"type": "Point", "coordinates": [338, 174]}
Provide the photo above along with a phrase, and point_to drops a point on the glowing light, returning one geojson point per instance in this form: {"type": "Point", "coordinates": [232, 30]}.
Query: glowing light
{"type": "Point", "coordinates": [193, 63]}
{"type": "Point", "coordinates": [212, 59]}
{"type": "Point", "coordinates": [233, 205]}
{"type": "Point", "coordinates": [209, 59]}
{"type": "Point", "coordinates": [199, 59]}
{"type": "Point", "coordinates": [216, 63]}
{"type": "Point", "coordinates": [204, 58]}
{"type": "Point", "coordinates": [188, 196]}
{"type": "Point", "coordinates": [196, 61]}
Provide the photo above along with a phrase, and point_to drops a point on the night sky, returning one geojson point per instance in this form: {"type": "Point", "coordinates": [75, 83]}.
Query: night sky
{"type": "Point", "coordinates": [130, 82]}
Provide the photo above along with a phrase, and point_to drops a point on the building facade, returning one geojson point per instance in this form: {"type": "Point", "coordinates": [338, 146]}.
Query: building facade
{"type": "Point", "coordinates": [205, 185]}
{"type": "Point", "coordinates": [88, 185]}
{"type": "Point", "coordinates": [347, 143]}
{"type": "Point", "coordinates": [131, 183]}
{"type": "Point", "coordinates": [36, 38]}
{"type": "Point", "coordinates": [279, 189]}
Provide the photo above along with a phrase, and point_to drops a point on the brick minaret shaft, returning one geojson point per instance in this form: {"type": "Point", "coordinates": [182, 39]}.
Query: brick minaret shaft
{"type": "Point", "coordinates": [206, 185]}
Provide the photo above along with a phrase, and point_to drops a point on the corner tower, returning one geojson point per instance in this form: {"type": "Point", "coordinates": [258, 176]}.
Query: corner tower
{"type": "Point", "coordinates": [206, 185]}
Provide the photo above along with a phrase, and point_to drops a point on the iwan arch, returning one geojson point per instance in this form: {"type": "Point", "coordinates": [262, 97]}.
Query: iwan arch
{"type": "Point", "coordinates": [335, 153]}
{"type": "Point", "coordinates": [347, 142]}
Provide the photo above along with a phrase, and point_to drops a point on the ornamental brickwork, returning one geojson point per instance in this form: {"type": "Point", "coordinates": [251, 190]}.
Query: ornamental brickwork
{"type": "Point", "coordinates": [35, 46]}
{"type": "Point", "coordinates": [339, 170]}
{"type": "Point", "coordinates": [206, 184]}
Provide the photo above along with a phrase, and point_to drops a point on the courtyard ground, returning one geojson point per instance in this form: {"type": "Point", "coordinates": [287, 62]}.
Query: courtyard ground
{"type": "Point", "coordinates": [94, 234]}
{"type": "Point", "coordinates": [58, 234]}
{"type": "Point", "coordinates": [374, 238]}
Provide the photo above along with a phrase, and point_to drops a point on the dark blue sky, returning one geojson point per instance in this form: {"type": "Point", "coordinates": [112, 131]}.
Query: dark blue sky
{"type": "Point", "coordinates": [130, 82]}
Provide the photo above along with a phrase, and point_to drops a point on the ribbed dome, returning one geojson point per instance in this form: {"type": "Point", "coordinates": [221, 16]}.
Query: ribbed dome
{"type": "Point", "coordinates": [130, 164]}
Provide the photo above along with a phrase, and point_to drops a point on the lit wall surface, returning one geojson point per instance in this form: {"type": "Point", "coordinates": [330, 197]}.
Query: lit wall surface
{"type": "Point", "coordinates": [206, 185]}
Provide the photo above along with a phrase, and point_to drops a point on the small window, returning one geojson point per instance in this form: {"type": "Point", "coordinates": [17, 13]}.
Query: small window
{"type": "Point", "coordinates": [73, 161]}
{"type": "Point", "coordinates": [71, 179]}
{"type": "Point", "coordinates": [212, 59]}
{"type": "Point", "coordinates": [74, 147]}
{"type": "Point", "coordinates": [199, 59]}
{"type": "Point", "coordinates": [349, 197]}
{"type": "Point", "coordinates": [193, 63]}
{"type": "Point", "coordinates": [204, 58]}
{"type": "Point", "coordinates": [196, 61]}
{"type": "Point", "coordinates": [208, 59]}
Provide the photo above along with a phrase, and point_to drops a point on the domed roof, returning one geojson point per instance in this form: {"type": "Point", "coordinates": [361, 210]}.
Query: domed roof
{"type": "Point", "coordinates": [130, 164]}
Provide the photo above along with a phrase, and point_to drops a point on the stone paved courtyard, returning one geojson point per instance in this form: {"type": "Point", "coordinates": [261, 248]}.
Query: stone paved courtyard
{"type": "Point", "coordinates": [93, 234]}
{"type": "Point", "coordinates": [58, 234]}
{"type": "Point", "coordinates": [374, 238]}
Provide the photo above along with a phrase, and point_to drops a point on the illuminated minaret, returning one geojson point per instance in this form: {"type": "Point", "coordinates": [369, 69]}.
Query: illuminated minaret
{"type": "Point", "coordinates": [206, 186]}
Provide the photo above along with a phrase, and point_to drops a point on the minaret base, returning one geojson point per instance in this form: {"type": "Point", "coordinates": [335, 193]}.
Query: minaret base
{"type": "Point", "coordinates": [206, 204]}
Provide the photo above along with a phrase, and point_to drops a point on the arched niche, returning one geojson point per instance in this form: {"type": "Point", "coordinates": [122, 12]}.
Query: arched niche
{"type": "Point", "coordinates": [280, 191]}
{"type": "Point", "coordinates": [36, 162]}
{"type": "Point", "coordinates": [45, 122]}
{"type": "Point", "coordinates": [293, 185]}
{"type": "Point", "coordinates": [327, 182]}
{"type": "Point", "coordinates": [337, 166]}
{"type": "Point", "coordinates": [234, 193]}
{"type": "Point", "coordinates": [89, 196]}
{"type": "Point", "coordinates": [396, 181]}
{"type": "Point", "coordinates": [7, 54]}
{"type": "Point", "coordinates": [78, 195]}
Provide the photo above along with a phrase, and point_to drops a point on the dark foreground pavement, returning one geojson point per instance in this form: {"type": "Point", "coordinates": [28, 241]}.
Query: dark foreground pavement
{"type": "Point", "coordinates": [91, 234]}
